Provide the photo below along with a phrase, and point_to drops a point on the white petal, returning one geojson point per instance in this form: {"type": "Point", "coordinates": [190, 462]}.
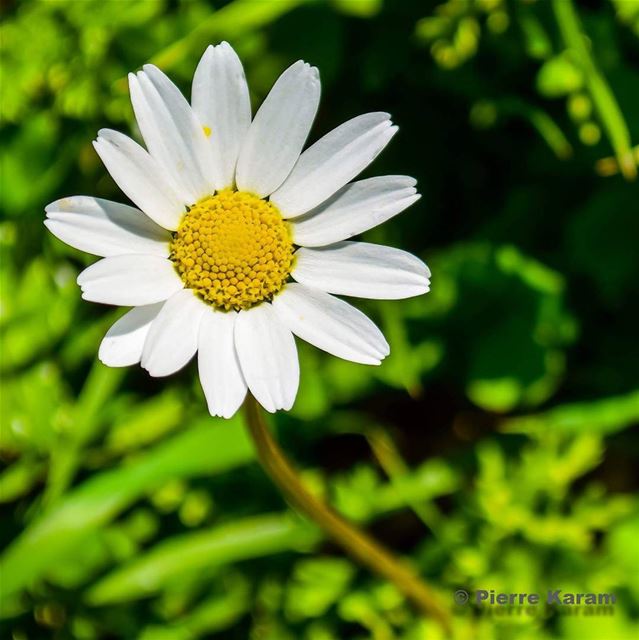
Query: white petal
{"type": "Point", "coordinates": [330, 324]}
{"type": "Point", "coordinates": [172, 132]}
{"type": "Point", "coordinates": [105, 228]}
{"type": "Point", "coordinates": [363, 270]}
{"type": "Point", "coordinates": [130, 281]}
{"type": "Point", "coordinates": [220, 99]}
{"type": "Point", "coordinates": [123, 343]}
{"type": "Point", "coordinates": [357, 207]}
{"type": "Point", "coordinates": [140, 177]}
{"type": "Point", "coordinates": [172, 339]}
{"type": "Point", "coordinates": [268, 357]}
{"type": "Point", "coordinates": [278, 132]}
{"type": "Point", "coordinates": [219, 367]}
{"type": "Point", "coordinates": [332, 161]}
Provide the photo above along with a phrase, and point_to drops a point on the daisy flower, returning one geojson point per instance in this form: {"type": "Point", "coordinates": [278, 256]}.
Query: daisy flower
{"type": "Point", "coordinates": [240, 238]}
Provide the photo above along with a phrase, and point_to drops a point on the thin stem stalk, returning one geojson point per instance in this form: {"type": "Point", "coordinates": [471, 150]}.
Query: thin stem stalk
{"type": "Point", "coordinates": [601, 94]}
{"type": "Point", "coordinates": [358, 544]}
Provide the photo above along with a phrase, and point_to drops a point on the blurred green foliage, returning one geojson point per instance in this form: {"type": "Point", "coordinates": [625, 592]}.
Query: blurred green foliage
{"type": "Point", "coordinates": [493, 448]}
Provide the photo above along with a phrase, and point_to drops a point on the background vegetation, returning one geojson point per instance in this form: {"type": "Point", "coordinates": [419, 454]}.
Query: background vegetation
{"type": "Point", "coordinates": [492, 448]}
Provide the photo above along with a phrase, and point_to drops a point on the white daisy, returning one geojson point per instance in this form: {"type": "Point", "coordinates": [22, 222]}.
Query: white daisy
{"type": "Point", "coordinates": [230, 211]}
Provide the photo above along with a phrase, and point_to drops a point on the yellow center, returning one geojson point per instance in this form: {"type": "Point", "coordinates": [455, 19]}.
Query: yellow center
{"type": "Point", "coordinates": [233, 249]}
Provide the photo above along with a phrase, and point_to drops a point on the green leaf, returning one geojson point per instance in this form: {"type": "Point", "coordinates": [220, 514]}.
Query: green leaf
{"type": "Point", "coordinates": [38, 314]}
{"type": "Point", "coordinates": [19, 478]}
{"type": "Point", "coordinates": [608, 415]}
{"type": "Point", "coordinates": [316, 584]}
{"type": "Point", "coordinates": [501, 316]}
{"type": "Point", "coordinates": [213, 614]}
{"type": "Point", "coordinates": [146, 422]}
{"type": "Point", "coordinates": [87, 421]}
{"type": "Point", "coordinates": [211, 447]}
{"type": "Point", "coordinates": [28, 425]}
{"type": "Point", "coordinates": [202, 551]}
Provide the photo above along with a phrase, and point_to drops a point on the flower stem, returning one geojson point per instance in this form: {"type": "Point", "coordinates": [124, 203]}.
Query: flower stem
{"type": "Point", "coordinates": [353, 540]}
{"type": "Point", "coordinates": [601, 94]}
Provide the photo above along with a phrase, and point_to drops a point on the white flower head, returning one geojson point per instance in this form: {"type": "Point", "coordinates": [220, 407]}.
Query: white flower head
{"type": "Point", "coordinates": [230, 212]}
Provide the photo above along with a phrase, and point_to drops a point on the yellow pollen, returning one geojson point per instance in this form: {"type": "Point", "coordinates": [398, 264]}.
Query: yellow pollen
{"type": "Point", "coordinates": [207, 131]}
{"type": "Point", "coordinates": [233, 249]}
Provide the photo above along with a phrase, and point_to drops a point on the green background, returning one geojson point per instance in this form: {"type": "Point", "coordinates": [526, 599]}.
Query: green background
{"type": "Point", "coordinates": [493, 447]}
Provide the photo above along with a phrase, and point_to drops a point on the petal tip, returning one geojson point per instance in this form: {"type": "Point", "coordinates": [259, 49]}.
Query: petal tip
{"type": "Point", "coordinates": [155, 372]}
{"type": "Point", "coordinates": [270, 408]}
{"type": "Point", "coordinates": [307, 68]}
{"type": "Point", "coordinates": [226, 413]}
{"type": "Point", "coordinates": [105, 134]}
{"type": "Point", "coordinates": [408, 181]}
{"type": "Point", "coordinates": [103, 358]}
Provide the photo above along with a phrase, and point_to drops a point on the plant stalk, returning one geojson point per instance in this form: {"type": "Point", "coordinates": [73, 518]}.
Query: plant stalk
{"type": "Point", "coordinates": [601, 94]}
{"type": "Point", "coordinates": [358, 544]}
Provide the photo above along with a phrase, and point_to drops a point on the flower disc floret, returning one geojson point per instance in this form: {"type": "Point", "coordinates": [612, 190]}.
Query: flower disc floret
{"type": "Point", "coordinates": [233, 249]}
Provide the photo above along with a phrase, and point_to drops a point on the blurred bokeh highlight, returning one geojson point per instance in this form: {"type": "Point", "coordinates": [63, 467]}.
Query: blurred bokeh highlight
{"type": "Point", "coordinates": [493, 448]}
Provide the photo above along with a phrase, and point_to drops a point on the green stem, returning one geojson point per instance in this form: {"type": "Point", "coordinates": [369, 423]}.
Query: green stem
{"type": "Point", "coordinates": [395, 468]}
{"type": "Point", "coordinates": [353, 540]}
{"type": "Point", "coordinates": [602, 96]}
{"type": "Point", "coordinates": [67, 453]}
